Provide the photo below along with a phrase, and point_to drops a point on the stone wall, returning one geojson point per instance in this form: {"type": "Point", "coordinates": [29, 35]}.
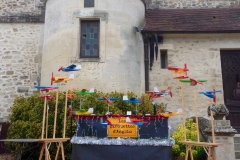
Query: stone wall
{"type": "Point", "coordinates": [201, 52]}
{"type": "Point", "coordinates": [20, 61]}
{"type": "Point", "coordinates": [186, 4]}
{"type": "Point", "coordinates": [22, 10]}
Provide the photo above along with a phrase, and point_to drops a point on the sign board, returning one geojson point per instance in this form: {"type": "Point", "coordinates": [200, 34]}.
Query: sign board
{"type": "Point", "coordinates": [120, 128]}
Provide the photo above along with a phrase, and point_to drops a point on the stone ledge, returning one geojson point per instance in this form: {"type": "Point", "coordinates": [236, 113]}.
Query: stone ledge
{"type": "Point", "coordinates": [21, 19]}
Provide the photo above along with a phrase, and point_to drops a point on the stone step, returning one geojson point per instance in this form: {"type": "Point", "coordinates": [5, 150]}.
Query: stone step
{"type": "Point", "coordinates": [237, 146]}
{"type": "Point", "coordinates": [237, 155]}
{"type": "Point", "coordinates": [236, 139]}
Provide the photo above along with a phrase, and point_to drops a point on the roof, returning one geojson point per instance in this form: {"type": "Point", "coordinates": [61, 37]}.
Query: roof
{"type": "Point", "coordinates": [192, 20]}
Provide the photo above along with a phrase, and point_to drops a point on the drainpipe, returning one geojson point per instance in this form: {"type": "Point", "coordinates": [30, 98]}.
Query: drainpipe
{"type": "Point", "coordinates": [146, 61]}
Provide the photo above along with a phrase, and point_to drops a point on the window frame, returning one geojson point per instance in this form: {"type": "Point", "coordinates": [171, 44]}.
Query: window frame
{"type": "Point", "coordinates": [164, 52]}
{"type": "Point", "coordinates": [80, 34]}
{"type": "Point", "coordinates": [86, 4]}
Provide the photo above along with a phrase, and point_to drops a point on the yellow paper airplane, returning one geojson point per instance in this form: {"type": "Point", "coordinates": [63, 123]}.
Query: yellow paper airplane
{"type": "Point", "coordinates": [169, 114]}
{"type": "Point", "coordinates": [83, 112]}
{"type": "Point", "coordinates": [61, 79]}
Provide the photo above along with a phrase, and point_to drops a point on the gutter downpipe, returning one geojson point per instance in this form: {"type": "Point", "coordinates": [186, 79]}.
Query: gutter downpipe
{"type": "Point", "coordinates": [146, 61]}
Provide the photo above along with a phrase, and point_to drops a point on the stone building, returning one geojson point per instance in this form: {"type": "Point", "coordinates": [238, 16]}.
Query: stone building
{"type": "Point", "coordinates": [108, 38]}
{"type": "Point", "coordinates": [21, 39]}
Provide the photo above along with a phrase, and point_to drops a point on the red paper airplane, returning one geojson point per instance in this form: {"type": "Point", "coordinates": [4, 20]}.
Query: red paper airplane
{"type": "Point", "coordinates": [179, 70]}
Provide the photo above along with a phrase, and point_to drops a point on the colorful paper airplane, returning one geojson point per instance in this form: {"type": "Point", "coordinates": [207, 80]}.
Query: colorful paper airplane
{"type": "Point", "coordinates": [84, 91]}
{"type": "Point", "coordinates": [82, 112]}
{"type": "Point", "coordinates": [61, 79]}
{"type": "Point", "coordinates": [45, 87]}
{"type": "Point", "coordinates": [158, 94]}
{"type": "Point", "coordinates": [192, 81]}
{"type": "Point", "coordinates": [169, 114]}
{"type": "Point", "coordinates": [210, 94]}
{"type": "Point", "coordinates": [131, 100]}
{"type": "Point", "coordinates": [179, 70]}
{"type": "Point", "coordinates": [48, 97]}
{"type": "Point", "coordinates": [107, 122]}
{"type": "Point", "coordinates": [109, 101]}
{"type": "Point", "coordinates": [180, 77]}
{"type": "Point", "coordinates": [70, 95]}
{"type": "Point", "coordinates": [154, 94]}
{"type": "Point", "coordinates": [70, 68]}
{"type": "Point", "coordinates": [135, 121]}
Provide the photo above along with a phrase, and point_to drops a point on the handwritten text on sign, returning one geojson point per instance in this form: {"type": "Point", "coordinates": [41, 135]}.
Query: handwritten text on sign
{"type": "Point", "coordinates": [120, 128]}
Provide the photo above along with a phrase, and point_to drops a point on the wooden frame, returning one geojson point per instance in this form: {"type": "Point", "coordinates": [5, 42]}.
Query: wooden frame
{"type": "Point", "coordinates": [190, 144]}
{"type": "Point", "coordinates": [45, 148]}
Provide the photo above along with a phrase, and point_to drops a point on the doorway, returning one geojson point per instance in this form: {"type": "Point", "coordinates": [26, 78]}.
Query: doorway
{"type": "Point", "coordinates": [230, 62]}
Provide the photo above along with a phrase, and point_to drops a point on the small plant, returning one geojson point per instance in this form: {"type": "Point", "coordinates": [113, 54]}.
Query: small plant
{"type": "Point", "coordinates": [179, 149]}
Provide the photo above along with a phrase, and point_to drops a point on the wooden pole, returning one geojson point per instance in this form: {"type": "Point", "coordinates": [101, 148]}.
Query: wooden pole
{"type": "Point", "coordinates": [58, 148]}
{"type": "Point", "coordinates": [62, 149]}
{"type": "Point", "coordinates": [55, 116]}
{"type": "Point", "coordinates": [41, 152]}
{"type": "Point", "coordinates": [212, 122]}
{"type": "Point", "coordinates": [43, 121]}
{"type": "Point", "coordinates": [183, 112]}
{"type": "Point", "coordinates": [47, 121]}
{"type": "Point", "coordinates": [196, 112]}
{"type": "Point", "coordinates": [65, 112]}
{"type": "Point", "coordinates": [46, 151]}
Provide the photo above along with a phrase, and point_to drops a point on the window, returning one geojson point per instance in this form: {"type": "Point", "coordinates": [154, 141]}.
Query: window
{"type": "Point", "coordinates": [89, 47]}
{"type": "Point", "coordinates": [88, 3]}
{"type": "Point", "coordinates": [163, 59]}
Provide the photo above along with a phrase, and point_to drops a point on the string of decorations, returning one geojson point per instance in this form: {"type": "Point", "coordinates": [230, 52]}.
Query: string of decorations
{"type": "Point", "coordinates": [122, 141]}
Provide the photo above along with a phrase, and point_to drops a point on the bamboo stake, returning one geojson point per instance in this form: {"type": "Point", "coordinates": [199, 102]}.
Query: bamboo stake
{"type": "Point", "coordinates": [43, 121]}
{"type": "Point", "coordinates": [213, 137]}
{"type": "Point", "coordinates": [183, 112]}
{"type": "Point", "coordinates": [55, 116]}
{"type": "Point", "coordinates": [196, 112]}
{"type": "Point", "coordinates": [65, 111]}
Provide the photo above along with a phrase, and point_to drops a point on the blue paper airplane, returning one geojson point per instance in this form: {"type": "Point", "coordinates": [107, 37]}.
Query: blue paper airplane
{"type": "Point", "coordinates": [210, 94]}
{"type": "Point", "coordinates": [70, 68]}
{"type": "Point", "coordinates": [131, 100]}
{"type": "Point", "coordinates": [44, 87]}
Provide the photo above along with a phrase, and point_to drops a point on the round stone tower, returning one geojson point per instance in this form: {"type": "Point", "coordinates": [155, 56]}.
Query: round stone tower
{"type": "Point", "coordinates": [111, 54]}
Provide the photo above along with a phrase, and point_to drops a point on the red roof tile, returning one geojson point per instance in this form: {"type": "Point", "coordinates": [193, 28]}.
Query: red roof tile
{"type": "Point", "coordinates": [193, 20]}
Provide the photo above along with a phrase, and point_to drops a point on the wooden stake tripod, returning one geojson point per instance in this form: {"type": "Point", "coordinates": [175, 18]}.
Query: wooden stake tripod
{"type": "Point", "coordinates": [45, 140]}
{"type": "Point", "coordinates": [45, 147]}
{"type": "Point", "coordinates": [210, 146]}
